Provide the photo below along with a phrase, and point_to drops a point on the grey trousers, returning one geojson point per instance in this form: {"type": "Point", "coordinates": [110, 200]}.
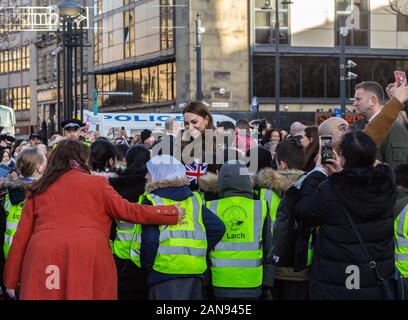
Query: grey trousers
{"type": "Point", "coordinates": [177, 289]}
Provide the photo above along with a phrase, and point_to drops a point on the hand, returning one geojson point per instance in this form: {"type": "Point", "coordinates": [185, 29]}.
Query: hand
{"type": "Point", "coordinates": [12, 175]}
{"type": "Point", "coordinates": [11, 293]}
{"type": "Point", "coordinates": [376, 163]}
{"type": "Point", "coordinates": [401, 93]}
{"type": "Point", "coordinates": [181, 212]}
{"type": "Point", "coordinates": [333, 165]}
{"type": "Point", "coordinates": [194, 132]}
{"type": "Point", "coordinates": [390, 89]}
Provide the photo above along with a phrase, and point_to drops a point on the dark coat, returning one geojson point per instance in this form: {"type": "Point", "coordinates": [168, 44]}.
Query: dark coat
{"type": "Point", "coordinates": [132, 281]}
{"type": "Point", "coordinates": [215, 230]}
{"type": "Point", "coordinates": [369, 194]}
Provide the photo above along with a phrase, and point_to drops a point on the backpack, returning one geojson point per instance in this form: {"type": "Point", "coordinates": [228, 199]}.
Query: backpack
{"type": "Point", "coordinates": [290, 236]}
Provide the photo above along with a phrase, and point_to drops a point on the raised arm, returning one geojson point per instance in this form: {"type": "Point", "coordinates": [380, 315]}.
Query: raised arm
{"type": "Point", "coordinates": [378, 128]}
{"type": "Point", "coordinates": [121, 209]}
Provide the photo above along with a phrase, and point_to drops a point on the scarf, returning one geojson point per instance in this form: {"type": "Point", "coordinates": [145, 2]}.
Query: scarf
{"type": "Point", "coordinates": [73, 164]}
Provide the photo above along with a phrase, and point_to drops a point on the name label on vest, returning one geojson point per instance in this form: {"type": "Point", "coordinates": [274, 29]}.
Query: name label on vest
{"type": "Point", "coordinates": [235, 236]}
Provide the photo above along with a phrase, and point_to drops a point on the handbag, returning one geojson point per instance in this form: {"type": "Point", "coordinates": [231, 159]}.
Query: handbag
{"type": "Point", "coordinates": [388, 288]}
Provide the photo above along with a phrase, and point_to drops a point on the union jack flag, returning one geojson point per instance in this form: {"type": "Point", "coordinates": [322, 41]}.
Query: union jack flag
{"type": "Point", "coordinates": [195, 170]}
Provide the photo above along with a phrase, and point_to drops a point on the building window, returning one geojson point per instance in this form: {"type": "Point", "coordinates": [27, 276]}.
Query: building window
{"type": "Point", "coordinates": [265, 23]}
{"type": "Point", "coordinates": [17, 98]}
{"type": "Point", "coordinates": [166, 24]}
{"type": "Point", "coordinates": [97, 7]}
{"type": "Point", "coordinates": [97, 43]}
{"type": "Point", "coordinates": [149, 85]}
{"type": "Point", "coordinates": [110, 39]}
{"type": "Point", "coordinates": [304, 78]}
{"type": "Point", "coordinates": [402, 22]}
{"type": "Point", "coordinates": [14, 60]}
{"type": "Point", "coordinates": [129, 33]}
{"type": "Point", "coordinates": [358, 19]}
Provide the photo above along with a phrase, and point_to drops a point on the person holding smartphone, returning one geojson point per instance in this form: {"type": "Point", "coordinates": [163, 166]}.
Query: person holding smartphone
{"type": "Point", "coordinates": [354, 180]}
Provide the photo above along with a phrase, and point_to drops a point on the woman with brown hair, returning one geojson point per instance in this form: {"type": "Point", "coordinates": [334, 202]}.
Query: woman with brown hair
{"type": "Point", "coordinates": [310, 142]}
{"type": "Point", "coordinates": [61, 248]}
{"type": "Point", "coordinates": [199, 127]}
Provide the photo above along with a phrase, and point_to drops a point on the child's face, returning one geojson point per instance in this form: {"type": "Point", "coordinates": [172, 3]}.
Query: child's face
{"type": "Point", "coordinates": [6, 157]}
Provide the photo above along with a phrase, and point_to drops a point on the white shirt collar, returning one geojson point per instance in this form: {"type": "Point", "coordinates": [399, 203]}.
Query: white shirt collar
{"type": "Point", "coordinates": [375, 114]}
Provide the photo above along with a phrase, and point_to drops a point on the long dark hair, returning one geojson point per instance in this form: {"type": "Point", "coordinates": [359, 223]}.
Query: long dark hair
{"type": "Point", "coordinates": [312, 150]}
{"type": "Point", "coordinates": [62, 157]}
{"type": "Point", "coordinates": [358, 149]}
{"type": "Point", "coordinates": [101, 152]}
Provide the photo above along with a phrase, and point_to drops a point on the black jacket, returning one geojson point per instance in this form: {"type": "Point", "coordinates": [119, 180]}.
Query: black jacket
{"type": "Point", "coordinates": [369, 194]}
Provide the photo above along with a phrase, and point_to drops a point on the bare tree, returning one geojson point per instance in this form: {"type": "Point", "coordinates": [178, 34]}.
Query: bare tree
{"type": "Point", "coordinates": [399, 6]}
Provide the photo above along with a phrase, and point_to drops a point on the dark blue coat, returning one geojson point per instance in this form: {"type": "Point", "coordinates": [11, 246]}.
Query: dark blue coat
{"type": "Point", "coordinates": [215, 230]}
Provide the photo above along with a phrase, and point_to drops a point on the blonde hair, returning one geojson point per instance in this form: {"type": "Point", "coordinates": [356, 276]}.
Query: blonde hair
{"type": "Point", "coordinates": [28, 159]}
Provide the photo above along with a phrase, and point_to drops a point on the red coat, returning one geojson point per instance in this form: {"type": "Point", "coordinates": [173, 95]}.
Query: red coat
{"type": "Point", "coordinates": [68, 226]}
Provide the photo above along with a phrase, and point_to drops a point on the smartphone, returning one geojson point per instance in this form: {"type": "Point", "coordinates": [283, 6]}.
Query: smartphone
{"type": "Point", "coordinates": [400, 76]}
{"type": "Point", "coordinates": [326, 148]}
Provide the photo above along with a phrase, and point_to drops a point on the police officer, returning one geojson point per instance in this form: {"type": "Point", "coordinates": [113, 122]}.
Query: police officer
{"type": "Point", "coordinates": [72, 130]}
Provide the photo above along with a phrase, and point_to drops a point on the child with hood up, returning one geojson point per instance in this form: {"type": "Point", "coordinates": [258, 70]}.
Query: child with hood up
{"type": "Point", "coordinates": [175, 256]}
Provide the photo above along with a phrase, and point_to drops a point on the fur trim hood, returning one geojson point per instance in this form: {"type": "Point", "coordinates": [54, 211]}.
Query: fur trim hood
{"type": "Point", "coordinates": [208, 182]}
{"type": "Point", "coordinates": [16, 183]}
{"type": "Point", "coordinates": [278, 181]}
{"type": "Point", "coordinates": [151, 186]}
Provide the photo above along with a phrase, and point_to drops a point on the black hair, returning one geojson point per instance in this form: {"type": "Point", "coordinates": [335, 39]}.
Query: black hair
{"type": "Point", "coordinates": [401, 175]}
{"type": "Point", "coordinates": [101, 152]}
{"type": "Point", "coordinates": [226, 125]}
{"type": "Point", "coordinates": [291, 152]}
{"type": "Point", "coordinates": [121, 150]}
{"type": "Point", "coordinates": [358, 150]}
{"type": "Point", "coordinates": [136, 159]}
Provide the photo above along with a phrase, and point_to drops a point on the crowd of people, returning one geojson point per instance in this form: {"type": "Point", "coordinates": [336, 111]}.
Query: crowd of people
{"type": "Point", "coordinates": [212, 210]}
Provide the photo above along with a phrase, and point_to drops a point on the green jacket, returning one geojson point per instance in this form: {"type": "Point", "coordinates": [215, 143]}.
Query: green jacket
{"type": "Point", "coordinates": [393, 150]}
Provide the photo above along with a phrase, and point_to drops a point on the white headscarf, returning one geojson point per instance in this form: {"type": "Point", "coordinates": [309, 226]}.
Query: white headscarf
{"type": "Point", "coordinates": [165, 167]}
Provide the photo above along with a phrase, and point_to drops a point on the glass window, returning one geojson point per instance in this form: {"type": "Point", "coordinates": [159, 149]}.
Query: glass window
{"type": "Point", "coordinates": [402, 22]}
{"type": "Point", "coordinates": [166, 24]}
{"type": "Point", "coordinates": [316, 69]}
{"type": "Point", "coordinates": [28, 98]}
{"type": "Point", "coordinates": [265, 23]}
{"type": "Point", "coordinates": [163, 82]}
{"type": "Point", "coordinates": [128, 86]}
{"type": "Point", "coordinates": [110, 38]}
{"type": "Point", "coordinates": [145, 85]}
{"type": "Point", "coordinates": [356, 14]}
{"type": "Point", "coordinates": [1, 62]}
{"type": "Point", "coordinates": [136, 87]}
{"type": "Point", "coordinates": [153, 84]}
{"type": "Point", "coordinates": [174, 81]}
{"type": "Point", "coordinates": [264, 76]}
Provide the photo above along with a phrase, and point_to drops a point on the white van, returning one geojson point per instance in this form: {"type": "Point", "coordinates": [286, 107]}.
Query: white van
{"type": "Point", "coordinates": [134, 123]}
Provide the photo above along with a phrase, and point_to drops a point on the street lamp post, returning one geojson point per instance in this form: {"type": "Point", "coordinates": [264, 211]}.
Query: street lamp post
{"type": "Point", "coordinates": [69, 10]}
{"type": "Point", "coordinates": [199, 31]}
{"type": "Point", "coordinates": [343, 35]}
{"type": "Point", "coordinates": [268, 6]}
